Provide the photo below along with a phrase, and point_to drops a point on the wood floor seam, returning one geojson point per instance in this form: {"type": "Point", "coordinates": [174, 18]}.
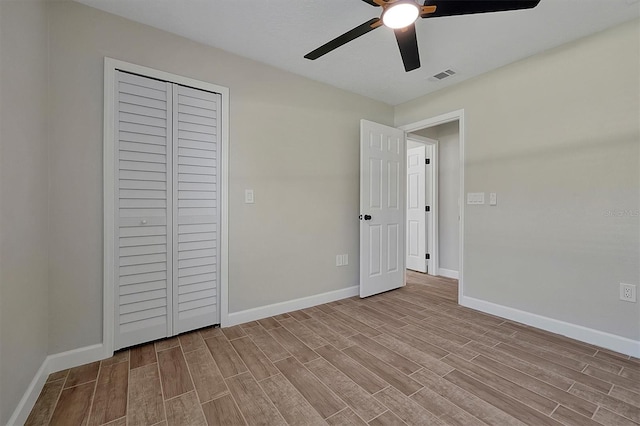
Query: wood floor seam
{"type": "Point", "coordinates": [235, 375]}
{"type": "Point", "coordinates": [128, 388]}
{"type": "Point", "coordinates": [190, 374]}
{"type": "Point", "coordinates": [220, 396]}
{"type": "Point", "coordinates": [164, 406]}
{"type": "Point", "coordinates": [91, 408]}
{"type": "Point", "coordinates": [79, 384]}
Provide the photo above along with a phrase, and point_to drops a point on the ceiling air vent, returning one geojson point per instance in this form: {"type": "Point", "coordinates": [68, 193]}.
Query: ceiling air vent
{"type": "Point", "coordinates": [444, 74]}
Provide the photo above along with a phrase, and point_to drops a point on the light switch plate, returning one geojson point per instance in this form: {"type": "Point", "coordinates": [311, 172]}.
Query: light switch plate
{"type": "Point", "coordinates": [248, 196]}
{"type": "Point", "coordinates": [493, 199]}
{"type": "Point", "coordinates": [475, 197]}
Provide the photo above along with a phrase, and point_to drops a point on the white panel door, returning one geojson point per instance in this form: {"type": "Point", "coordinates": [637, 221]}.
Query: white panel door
{"type": "Point", "coordinates": [382, 194]}
{"type": "Point", "coordinates": [416, 212]}
{"type": "Point", "coordinates": [143, 217]}
{"type": "Point", "coordinates": [196, 219]}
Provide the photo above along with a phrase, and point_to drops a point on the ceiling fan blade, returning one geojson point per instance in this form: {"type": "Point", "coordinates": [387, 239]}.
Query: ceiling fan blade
{"type": "Point", "coordinates": [468, 7]}
{"type": "Point", "coordinates": [375, 3]}
{"type": "Point", "coordinates": [408, 44]}
{"type": "Point", "coordinates": [344, 38]}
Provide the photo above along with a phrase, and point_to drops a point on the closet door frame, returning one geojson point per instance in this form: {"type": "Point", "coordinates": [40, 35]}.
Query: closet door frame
{"type": "Point", "coordinates": [109, 146]}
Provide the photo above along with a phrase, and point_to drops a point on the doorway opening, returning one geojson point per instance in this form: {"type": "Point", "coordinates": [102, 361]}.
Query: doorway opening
{"type": "Point", "coordinates": [443, 195]}
{"type": "Point", "coordinates": [422, 204]}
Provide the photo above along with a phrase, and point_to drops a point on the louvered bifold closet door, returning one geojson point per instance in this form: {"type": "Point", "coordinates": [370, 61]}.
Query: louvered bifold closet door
{"type": "Point", "coordinates": [196, 158]}
{"type": "Point", "coordinates": [143, 215]}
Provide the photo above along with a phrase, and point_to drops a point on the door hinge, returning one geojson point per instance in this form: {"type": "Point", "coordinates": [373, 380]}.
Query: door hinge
{"type": "Point", "coordinates": [427, 256]}
{"type": "Point", "coordinates": [427, 208]}
{"type": "Point", "coordinates": [427, 161]}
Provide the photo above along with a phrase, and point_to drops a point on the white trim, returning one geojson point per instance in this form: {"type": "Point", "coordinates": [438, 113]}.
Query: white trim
{"type": "Point", "coordinates": [51, 364]}
{"type": "Point", "coordinates": [435, 121]}
{"type": "Point", "coordinates": [224, 214]}
{"type": "Point", "coordinates": [291, 305]}
{"type": "Point", "coordinates": [75, 357]}
{"type": "Point", "coordinates": [110, 67]}
{"type": "Point", "coordinates": [403, 173]}
{"type": "Point", "coordinates": [432, 235]}
{"type": "Point", "coordinates": [423, 262]}
{"type": "Point", "coordinates": [435, 213]}
{"type": "Point", "coordinates": [584, 334]}
{"type": "Point", "coordinates": [108, 176]}
{"type": "Point", "coordinates": [28, 400]}
{"type": "Point", "coordinates": [449, 273]}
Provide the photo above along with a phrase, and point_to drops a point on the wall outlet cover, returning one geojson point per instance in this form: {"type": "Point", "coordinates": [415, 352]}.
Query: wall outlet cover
{"type": "Point", "coordinates": [475, 197]}
{"type": "Point", "coordinates": [628, 292]}
{"type": "Point", "coordinates": [248, 196]}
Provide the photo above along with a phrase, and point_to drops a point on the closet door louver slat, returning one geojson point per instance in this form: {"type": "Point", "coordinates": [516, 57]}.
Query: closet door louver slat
{"type": "Point", "coordinates": [196, 222]}
{"type": "Point", "coordinates": [143, 260]}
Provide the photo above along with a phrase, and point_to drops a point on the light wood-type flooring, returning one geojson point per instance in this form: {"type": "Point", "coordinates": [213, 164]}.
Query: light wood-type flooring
{"type": "Point", "coordinates": [409, 356]}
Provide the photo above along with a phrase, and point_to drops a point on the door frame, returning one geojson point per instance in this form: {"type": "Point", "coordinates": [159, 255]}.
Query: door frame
{"type": "Point", "coordinates": [432, 234]}
{"type": "Point", "coordinates": [449, 117]}
{"type": "Point", "coordinates": [109, 144]}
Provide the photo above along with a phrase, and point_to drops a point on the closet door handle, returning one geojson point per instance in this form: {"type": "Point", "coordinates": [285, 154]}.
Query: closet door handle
{"type": "Point", "coordinates": [143, 222]}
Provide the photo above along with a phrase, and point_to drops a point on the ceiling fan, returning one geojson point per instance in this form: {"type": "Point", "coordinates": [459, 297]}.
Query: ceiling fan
{"type": "Point", "coordinates": [400, 15]}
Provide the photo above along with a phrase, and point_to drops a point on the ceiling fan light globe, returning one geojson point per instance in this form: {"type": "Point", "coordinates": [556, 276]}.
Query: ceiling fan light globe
{"type": "Point", "coordinates": [400, 15]}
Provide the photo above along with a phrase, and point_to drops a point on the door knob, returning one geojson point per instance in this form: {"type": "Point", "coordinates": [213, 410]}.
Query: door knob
{"type": "Point", "coordinates": [367, 217]}
{"type": "Point", "coordinates": [143, 222]}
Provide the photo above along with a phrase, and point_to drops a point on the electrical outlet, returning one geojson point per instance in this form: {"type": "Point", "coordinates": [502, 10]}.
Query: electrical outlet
{"type": "Point", "coordinates": [475, 197]}
{"type": "Point", "coordinates": [248, 196]}
{"type": "Point", "coordinates": [628, 292]}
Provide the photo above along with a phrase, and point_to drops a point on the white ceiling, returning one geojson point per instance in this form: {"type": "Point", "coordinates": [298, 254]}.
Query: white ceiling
{"type": "Point", "coordinates": [281, 32]}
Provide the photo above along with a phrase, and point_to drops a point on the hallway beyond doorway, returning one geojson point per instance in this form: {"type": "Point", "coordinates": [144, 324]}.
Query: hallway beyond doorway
{"type": "Point", "coordinates": [439, 287]}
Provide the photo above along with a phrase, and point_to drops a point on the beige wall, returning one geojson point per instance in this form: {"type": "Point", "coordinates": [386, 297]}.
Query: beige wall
{"type": "Point", "coordinates": [23, 198]}
{"type": "Point", "coordinates": [557, 137]}
{"type": "Point", "coordinates": [294, 141]}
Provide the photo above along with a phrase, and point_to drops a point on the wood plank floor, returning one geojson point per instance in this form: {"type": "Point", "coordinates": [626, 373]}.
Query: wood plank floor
{"type": "Point", "coordinates": [410, 356]}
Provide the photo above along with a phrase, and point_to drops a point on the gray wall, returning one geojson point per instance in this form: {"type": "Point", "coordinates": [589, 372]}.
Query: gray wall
{"type": "Point", "coordinates": [294, 141]}
{"type": "Point", "coordinates": [557, 137]}
{"type": "Point", "coordinates": [23, 198]}
{"type": "Point", "coordinates": [448, 137]}
{"type": "Point", "coordinates": [448, 195]}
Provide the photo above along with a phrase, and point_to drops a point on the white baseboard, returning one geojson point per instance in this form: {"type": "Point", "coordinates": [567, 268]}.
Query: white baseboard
{"type": "Point", "coordinates": [449, 273]}
{"type": "Point", "coordinates": [290, 305]}
{"type": "Point", "coordinates": [76, 357]}
{"type": "Point", "coordinates": [80, 356]}
{"type": "Point", "coordinates": [28, 400]}
{"type": "Point", "coordinates": [51, 364]}
{"type": "Point", "coordinates": [588, 335]}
